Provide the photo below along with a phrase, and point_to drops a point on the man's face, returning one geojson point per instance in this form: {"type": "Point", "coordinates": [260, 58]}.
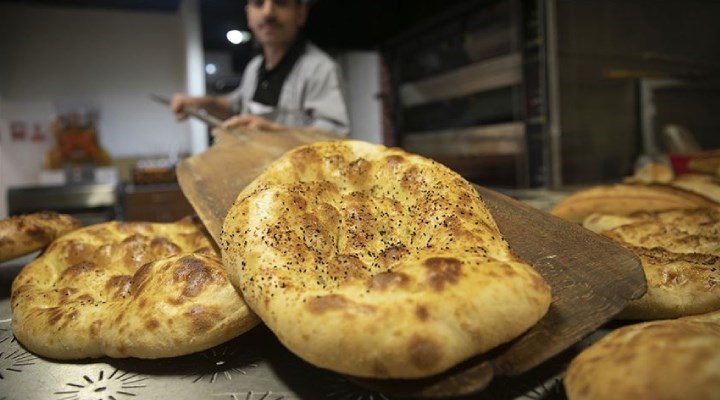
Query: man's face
{"type": "Point", "coordinates": [275, 22]}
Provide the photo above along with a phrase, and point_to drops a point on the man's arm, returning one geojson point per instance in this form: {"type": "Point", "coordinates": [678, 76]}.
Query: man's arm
{"type": "Point", "coordinates": [220, 106]}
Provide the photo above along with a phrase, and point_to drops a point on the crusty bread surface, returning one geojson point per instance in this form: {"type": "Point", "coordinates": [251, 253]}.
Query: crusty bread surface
{"type": "Point", "coordinates": [23, 234]}
{"type": "Point", "coordinates": [624, 198]}
{"type": "Point", "coordinates": [658, 360]}
{"type": "Point", "coordinates": [374, 262]}
{"type": "Point", "coordinates": [680, 254]}
{"type": "Point", "coordinates": [127, 289]}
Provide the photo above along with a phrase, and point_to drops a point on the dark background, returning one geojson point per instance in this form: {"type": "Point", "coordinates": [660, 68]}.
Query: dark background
{"type": "Point", "coordinates": [332, 24]}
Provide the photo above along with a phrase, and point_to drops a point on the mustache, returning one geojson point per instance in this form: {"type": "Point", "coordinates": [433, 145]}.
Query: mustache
{"type": "Point", "coordinates": [270, 21]}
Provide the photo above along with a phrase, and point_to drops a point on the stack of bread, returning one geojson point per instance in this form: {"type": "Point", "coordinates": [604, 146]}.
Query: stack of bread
{"type": "Point", "coordinates": [672, 223]}
{"type": "Point", "coordinates": [362, 259]}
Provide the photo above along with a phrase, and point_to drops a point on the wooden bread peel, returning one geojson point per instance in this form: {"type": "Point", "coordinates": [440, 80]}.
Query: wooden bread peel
{"type": "Point", "coordinates": [592, 279]}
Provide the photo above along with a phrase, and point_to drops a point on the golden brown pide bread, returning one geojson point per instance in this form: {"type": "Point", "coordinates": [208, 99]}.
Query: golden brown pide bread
{"type": "Point", "coordinates": [626, 199]}
{"type": "Point", "coordinates": [127, 290]}
{"type": "Point", "coordinates": [374, 262]}
{"type": "Point", "coordinates": [680, 255]}
{"type": "Point", "coordinates": [659, 360]}
{"type": "Point", "coordinates": [23, 234]}
{"type": "Point", "coordinates": [706, 185]}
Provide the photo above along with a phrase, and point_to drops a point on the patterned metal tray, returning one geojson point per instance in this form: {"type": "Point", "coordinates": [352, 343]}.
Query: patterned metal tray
{"type": "Point", "coordinates": [254, 366]}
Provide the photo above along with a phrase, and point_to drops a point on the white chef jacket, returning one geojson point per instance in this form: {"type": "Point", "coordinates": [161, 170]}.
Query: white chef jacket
{"type": "Point", "coordinates": [312, 94]}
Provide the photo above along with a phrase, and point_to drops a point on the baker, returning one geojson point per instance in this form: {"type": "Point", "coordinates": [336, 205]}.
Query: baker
{"type": "Point", "coordinates": [291, 83]}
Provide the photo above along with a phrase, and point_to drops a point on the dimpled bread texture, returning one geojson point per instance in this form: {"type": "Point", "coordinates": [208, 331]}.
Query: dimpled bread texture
{"type": "Point", "coordinates": [659, 360]}
{"type": "Point", "coordinates": [146, 290]}
{"type": "Point", "coordinates": [373, 262]}
{"type": "Point", "coordinates": [680, 254]}
{"type": "Point", "coordinates": [23, 234]}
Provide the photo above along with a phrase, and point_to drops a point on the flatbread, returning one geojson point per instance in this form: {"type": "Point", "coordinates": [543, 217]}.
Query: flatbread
{"type": "Point", "coordinates": [145, 290]}
{"type": "Point", "coordinates": [680, 254]}
{"type": "Point", "coordinates": [660, 360]}
{"type": "Point", "coordinates": [626, 199]}
{"type": "Point", "coordinates": [706, 162]}
{"type": "Point", "coordinates": [706, 185]}
{"type": "Point", "coordinates": [23, 234]}
{"type": "Point", "coordinates": [678, 285]}
{"type": "Point", "coordinates": [681, 231]}
{"type": "Point", "coordinates": [373, 262]}
{"type": "Point", "coordinates": [599, 223]}
{"type": "Point", "coordinates": [653, 172]}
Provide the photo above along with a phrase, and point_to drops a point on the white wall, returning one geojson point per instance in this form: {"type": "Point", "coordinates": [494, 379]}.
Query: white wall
{"type": "Point", "coordinates": [55, 60]}
{"type": "Point", "coordinates": [21, 160]}
{"type": "Point", "coordinates": [109, 60]}
{"type": "Point", "coordinates": [194, 69]}
{"type": "Point", "coordinates": [361, 70]}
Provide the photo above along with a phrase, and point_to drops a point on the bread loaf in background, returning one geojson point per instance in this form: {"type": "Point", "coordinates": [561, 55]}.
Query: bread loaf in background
{"type": "Point", "coordinates": [626, 198]}
{"type": "Point", "coordinates": [23, 234]}
{"type": "Point", "coordinates": [706, 185]}
{"type": "Point", "coordinates": [652, 173]}
{"type": "Point", "coordinates": [706, 162]}
{"type": "Point", "coordinates": [680, 254]}
{"type": "Point", "coordinates": [668, 359]}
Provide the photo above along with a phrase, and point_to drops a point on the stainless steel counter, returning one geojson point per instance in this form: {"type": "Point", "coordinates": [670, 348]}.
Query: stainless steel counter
{"type": "Point", "coordinates": [73, 196]}
{"type": "Point", "coordinates": [90, 202]}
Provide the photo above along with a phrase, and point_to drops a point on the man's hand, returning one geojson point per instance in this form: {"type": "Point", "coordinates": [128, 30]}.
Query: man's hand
{"type": "Point", "coordinates": [180, 101]}
{"type": "Point", "coordinates": [251, 122]}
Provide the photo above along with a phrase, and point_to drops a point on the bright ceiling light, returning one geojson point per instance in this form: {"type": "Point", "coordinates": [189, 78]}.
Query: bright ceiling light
{"type": "Point", "coordinates": [236, 37]}
{"type": "Point", "coordinates": [211, 69]}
